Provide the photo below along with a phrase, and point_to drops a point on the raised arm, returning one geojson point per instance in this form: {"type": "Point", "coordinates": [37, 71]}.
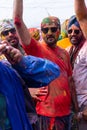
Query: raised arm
{"type": "Point", "coordinates": [81, 14]}
{"type": "Point", "coordinates": [20, 26]}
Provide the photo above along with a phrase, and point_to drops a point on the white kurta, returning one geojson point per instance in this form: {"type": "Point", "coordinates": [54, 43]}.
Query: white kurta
{"type": "Point", "coordinates": [80, 75]}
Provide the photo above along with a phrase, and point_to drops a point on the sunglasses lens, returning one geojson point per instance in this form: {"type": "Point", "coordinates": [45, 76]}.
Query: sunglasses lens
{"type": "Point", "coordinates": [45, 30]}
{"type": "Point", "coordinates": [12, 30]}
{"type": "Point", "coordinates": [5, 33]}
{"type": "Point", "coordinates": [54, 29]}
{"type": "Point", "coordinates": [76, 31]}
{"type": "Point", "coordinates": [70, 31]}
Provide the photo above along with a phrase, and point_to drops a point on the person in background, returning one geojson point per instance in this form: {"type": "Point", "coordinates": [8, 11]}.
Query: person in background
{"type": "Point", "coordinates": [64, 30]}
{"type": "Point", "coordinates": [12, 105]}
{"type": "Point", "coordinates": [52, 110]}
{"type": "Point", "coordinates": [8, 33]}
{"type": "Point", "coordinates": [63, 40]}
{"type": "Point", "coordinates": [78, 58]}
{"type": "Point", "coordinates": [35, 33]}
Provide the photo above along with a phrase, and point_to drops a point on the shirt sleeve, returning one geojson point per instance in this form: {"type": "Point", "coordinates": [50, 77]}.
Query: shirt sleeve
{"type": "Point", "coordinates": [37, 72]}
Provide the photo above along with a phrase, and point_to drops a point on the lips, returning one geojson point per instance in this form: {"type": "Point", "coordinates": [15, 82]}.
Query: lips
{"type": "Point", "coordinates": [74, 40]}
{"type": "Point", "coordinates": [12, 40]}
{"type": "Point", "coordinates": [50, 39]}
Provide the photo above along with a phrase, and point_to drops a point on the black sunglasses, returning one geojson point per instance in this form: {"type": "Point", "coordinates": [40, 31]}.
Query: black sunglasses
{"type": "Point", "coordinates": [5, 33]}
{"type": "Point", "coordinates": [53, 29]}
{"type": "Point", "coordinates": [75, 31]}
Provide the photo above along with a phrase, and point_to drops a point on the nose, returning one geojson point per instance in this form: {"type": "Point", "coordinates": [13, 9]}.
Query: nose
{"type": "Point", "coordinates": [10, 34]}
{"type": "Point", "coordinates": [72, 33]}
{"type": "Point", "coordinates": [49, 31]}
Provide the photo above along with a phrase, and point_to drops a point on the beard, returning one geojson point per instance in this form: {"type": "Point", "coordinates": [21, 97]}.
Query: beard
{"type": "Point", "coordinates": [14, 41]}
{"type": "Point", "coordinates": [50, 41]}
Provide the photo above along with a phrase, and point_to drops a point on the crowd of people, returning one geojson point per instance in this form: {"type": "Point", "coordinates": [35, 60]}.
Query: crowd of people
{"type": "Point", "coordinates": [43, 80]}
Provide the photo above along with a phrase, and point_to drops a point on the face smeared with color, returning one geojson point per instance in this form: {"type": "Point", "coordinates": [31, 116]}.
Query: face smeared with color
{"type": "Point", "coordinates": [11, 36]}
{"type": "Point", "coordinates": [50, 31]}
{"type": "Point", "coordinates": [75, 35]}
{"type": "Point", "coordinates": [8, 32]}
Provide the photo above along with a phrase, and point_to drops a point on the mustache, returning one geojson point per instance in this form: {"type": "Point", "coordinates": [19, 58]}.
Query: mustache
{"type": "Point", "coordinates": [50, 36]}
{"type": "Point", "coordinates": [12, 38]}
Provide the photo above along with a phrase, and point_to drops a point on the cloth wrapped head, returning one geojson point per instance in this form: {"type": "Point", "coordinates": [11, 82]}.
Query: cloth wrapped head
{"type": "Point", "coordinates": [50, 20]}
{"type": "Point", "coordinates": [73, 20]}
{"type": "Point", "coordinates": [6, 24]}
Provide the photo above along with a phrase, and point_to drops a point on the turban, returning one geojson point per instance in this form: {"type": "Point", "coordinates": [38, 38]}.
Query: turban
{"type": "Point", "coordinates": [6, 24]}
{"type": "Point", "coordinates": [50, 20]}
{"type": "Point", "coordinates": [73, 20]}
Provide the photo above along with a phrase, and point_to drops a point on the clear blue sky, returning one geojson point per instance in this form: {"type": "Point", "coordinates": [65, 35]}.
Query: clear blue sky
{"type": "Point", "coordinates": [36, 10]}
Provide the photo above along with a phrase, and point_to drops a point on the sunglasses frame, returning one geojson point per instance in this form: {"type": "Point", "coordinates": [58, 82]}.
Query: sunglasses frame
{"type": "Point", "coordinates": [6, 32]}
{"type": "Point", "coordinates": [76, 31]}
{"type": "Point", "coordinates": [45, 30]}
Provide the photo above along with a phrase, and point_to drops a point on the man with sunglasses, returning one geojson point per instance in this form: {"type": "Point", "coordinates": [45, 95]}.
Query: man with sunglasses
{"type": "Point", "coordinates": [78, 57]}
{"type": "Point", "coordinates": [54, 107]}
{"type": "Point", "coordinates": [8, 33]}
{"type": "Point", "coordinates": [75, 36]}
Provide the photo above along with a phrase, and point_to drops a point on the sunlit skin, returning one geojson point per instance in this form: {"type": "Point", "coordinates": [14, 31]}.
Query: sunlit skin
{"type": "Point", "coordinates": [51, 38]}
{"type": "Point", "coordinates": [12, 39]}
{"type": "Point", "coordinates": [75, 39]}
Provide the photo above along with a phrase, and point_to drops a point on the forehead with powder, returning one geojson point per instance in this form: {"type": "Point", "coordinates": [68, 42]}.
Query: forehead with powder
{"type": "Point", "coordinates": [50, 20]}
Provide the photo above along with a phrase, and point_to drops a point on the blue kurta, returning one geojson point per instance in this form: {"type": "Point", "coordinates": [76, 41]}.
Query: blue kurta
{"type": "Point", "coordinates": [34, 71]}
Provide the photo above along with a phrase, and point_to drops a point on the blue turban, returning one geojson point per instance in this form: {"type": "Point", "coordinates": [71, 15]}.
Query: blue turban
{"type": "Point", "coordinates": [73, 20]}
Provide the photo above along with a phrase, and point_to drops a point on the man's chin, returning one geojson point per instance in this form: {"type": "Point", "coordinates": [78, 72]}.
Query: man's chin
{"type": "Point", "coordinates": [50, 43]}
{"type": "Point", "coordinates": [14, 44]}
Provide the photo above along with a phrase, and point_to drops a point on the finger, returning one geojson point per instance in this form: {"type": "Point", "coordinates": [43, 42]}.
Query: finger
{"type": "Point", "coordinates": [43, 91]}
{"type": "Point", "coordinates": [8, 49]}
{"type": "Point", "coordinates": [2, 47]}
{"type": "Point", "coordinates": [37, 98]}
{"type": "Point", "coordinates": [5, 42]}
{"type": "Point", "coordinates": [11, 51]}
{"type": "Point", "coordinates": [41, 94]}
{"type": "Point", "coordinates": [17, 57]}
{"type": "Point", "coordinates": [9, 59]}
{"type": "Point", "coordinates": [43, 88]}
